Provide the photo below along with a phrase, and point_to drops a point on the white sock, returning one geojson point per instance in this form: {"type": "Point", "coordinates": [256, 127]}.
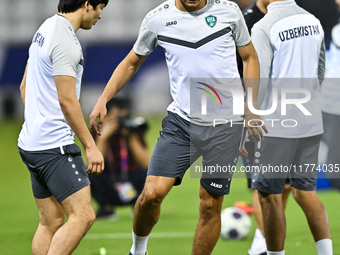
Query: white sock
{"type": "Point", "coordinates": [139, 244]}
{"type": "Point", "coordinates": [258, 245]}
{"type": "Point", "coordinates": [276, 252]}
{"type": "Point", "coordinates": [324, 247]}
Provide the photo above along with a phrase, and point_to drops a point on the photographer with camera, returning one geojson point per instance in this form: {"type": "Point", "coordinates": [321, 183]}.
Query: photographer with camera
{"type": "Point", "coordinates": [126, 159]}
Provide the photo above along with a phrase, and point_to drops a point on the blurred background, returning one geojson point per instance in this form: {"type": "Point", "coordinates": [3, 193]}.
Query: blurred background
{"type": "Point", "coordinates": [104, 46]}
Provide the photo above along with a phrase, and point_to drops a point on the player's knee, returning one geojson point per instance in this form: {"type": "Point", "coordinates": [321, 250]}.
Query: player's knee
{"type": "Point", "coordinates": [88, 220]}
{"type": "Point", "coordinates": [89, 217]}
{"type": "Point", "coordinates": [52, 223]}
{"type": "Point", "coordinates": [84, 217]}
{"type": "Point", "coordinates": [300, 196]}
{"type": "Point", "coordinates": [151, 196]}
{"type": "Point", "coordinates": [269, 199]}
{"type": "Point", "coordinates": [209, 206]}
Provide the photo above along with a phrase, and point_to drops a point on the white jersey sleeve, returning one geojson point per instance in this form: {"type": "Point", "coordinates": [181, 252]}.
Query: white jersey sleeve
{"type": "Point", "coordinates": [240, 31]}
{"type": "Point", "coordinates": [147, 39]}
{"type": "Point", "coordinates": [64, 55]}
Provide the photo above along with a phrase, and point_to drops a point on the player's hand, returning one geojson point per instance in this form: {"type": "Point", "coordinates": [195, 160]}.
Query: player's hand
{"type": "Point", "coordinates": [99, 112]}
{"type": "Point", "coordinates": [254, 125]}
{"type": "Point", "coordinates": [95, 160]}
{"type": "Point", "coordinates": [244, 152]}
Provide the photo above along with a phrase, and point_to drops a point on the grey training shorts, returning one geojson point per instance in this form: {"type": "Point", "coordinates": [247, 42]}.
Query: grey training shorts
{"type": "Point", "coordinates": [59, 172]}
{"type": "Point", "coordinates": [180, 144]}
{"type": "Point", "coordinates": [277, 159]}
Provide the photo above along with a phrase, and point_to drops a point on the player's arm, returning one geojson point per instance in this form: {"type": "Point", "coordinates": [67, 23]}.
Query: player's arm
{"type": "Point", "coordinates": [23, 86]}
{"type": "Point", "coordinates": [70, 106]}
{"type": "Point", "coordinates": [251, 74]}
{"type": "Point", "coordinates": [120, 77]}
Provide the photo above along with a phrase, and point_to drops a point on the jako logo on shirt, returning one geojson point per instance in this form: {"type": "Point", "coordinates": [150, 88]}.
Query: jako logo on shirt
{"type": "Point", "coordinates": [211, 20]}
{"type": "Point", "coordinates": [170, 23]}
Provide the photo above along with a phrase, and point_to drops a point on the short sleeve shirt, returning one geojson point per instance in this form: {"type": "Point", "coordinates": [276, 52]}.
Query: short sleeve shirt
{"type": "Point", "coordinates": [55, 50]}
{"type": "Point", "coordinates": [198, 44]}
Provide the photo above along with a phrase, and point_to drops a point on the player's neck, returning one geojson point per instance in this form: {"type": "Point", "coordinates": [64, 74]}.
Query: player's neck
{"type": "Point", "coordinates": [262, 6]}
{"type": "Point", "coordinates": [190, 5]}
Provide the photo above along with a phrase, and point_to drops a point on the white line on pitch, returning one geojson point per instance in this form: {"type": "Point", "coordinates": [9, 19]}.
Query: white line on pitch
{"type": "Point", "coordinates": [129, 235]}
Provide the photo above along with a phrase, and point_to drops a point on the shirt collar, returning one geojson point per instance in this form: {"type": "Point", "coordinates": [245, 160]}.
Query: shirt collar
{"type": "Point", "coordinates": [279, 4]}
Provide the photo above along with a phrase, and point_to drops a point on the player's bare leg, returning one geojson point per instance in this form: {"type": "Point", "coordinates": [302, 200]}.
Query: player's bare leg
{"type": "Point", "coordinates": [257, 207]}
{"type": "Point", "coordinates": [148, 205]}
{"type": "Point", "coordinates": [209, 224]}
{"type": "Point", "coordinates": [147, 210]}
{"type": "Point", "coordinates": [315, 213]}
{"type": "Point", "coordinates": [259, 242]}
{"type": "Point", "coordinates": [257, 211]}
{"type": "Point", "coordinates": [51, 218]}
{"type": "Point", "coordinates": [274, 220]}
{"type": "Point", "coordinates": [81, 216]}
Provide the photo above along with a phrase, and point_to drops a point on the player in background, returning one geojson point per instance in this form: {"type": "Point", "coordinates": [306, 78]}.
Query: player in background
{"type": "Point", "coordinates": [330, 101]}
{"type": "Point", "coordinates": [50, 90]}
{"type": "Point", "coordinates": [258, 246]}
{"type": "Point", "coordinates": [301, 57]}
{"type": "Point", "coordinates": [199, 38]}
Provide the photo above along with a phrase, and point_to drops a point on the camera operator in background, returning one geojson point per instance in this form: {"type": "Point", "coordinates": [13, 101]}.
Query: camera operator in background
{"type": "Point", "coordinates": [126, 159]}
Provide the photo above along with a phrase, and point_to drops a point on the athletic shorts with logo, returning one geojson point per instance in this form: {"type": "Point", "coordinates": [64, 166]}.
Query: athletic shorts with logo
{"type": "Point", "coordinates": [280, 158]}
{"type": "Point", "coordinates": [180, 144]}
{"type": "Point", "coordinates": [59, 172]}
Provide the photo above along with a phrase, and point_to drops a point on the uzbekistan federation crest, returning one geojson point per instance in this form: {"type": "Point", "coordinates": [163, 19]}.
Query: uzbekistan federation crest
{"type": "Point", "coordinates": [211, 20]}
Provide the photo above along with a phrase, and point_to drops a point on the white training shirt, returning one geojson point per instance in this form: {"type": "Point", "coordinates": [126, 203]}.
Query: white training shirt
{"type": "Point", "coordinates": [200, 44]}
{"type": "Point", "coordinates": [55, 50]}
{"type": "Point", "coordinates": [290, 45]}
{"type": "Point", "coordinates": [330, 88]}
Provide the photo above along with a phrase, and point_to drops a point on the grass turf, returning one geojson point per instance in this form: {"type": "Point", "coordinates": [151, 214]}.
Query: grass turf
{"type": "Point", "coordinates": [172, 235]}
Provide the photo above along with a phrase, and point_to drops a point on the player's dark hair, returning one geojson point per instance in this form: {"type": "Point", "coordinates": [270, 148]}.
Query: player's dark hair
{"type": "Point", "coordinates": [67, 6]}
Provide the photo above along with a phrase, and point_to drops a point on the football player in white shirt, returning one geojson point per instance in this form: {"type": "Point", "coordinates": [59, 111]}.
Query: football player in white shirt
{"type": "Point", "coordinates": [50, 90]}
{"type": "Point", "coordinates": [330, 104]}
{"type": "Point", "coordinates": [200, 39]}
{"type": "Point", "coordinates": [290, 45]}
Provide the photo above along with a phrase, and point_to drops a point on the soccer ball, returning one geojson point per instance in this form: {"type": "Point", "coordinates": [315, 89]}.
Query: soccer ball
{"type": "Point", "coordinates": [236, 224]}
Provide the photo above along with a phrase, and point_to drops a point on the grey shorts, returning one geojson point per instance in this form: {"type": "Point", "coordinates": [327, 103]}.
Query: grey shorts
{"type": "Point", "coordinates": [57, 172]}
{"type": "Point", "coordinates": [180, 144]}
{"type": "Point", "coordinates": [280, 158]}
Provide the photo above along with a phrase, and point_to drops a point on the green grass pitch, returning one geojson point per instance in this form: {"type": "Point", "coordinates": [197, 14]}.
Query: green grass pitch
{"type": "Point", "coordinates": [172, 235]}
